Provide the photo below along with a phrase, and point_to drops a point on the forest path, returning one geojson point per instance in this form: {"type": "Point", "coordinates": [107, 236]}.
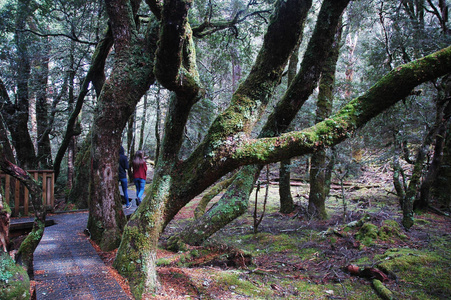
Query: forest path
{"type": "Point", "coordinates": [66, 266]}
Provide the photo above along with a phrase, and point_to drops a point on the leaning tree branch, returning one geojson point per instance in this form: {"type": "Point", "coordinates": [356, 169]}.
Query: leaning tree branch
{"type": "Point", "coordinates": [71, 37]}
{"type": "Point", "coordinates": [390, 89]}
{"type": "Point", "coordinates": [25, 254]}
{"type": "Point", "coordinates": [208, 27]}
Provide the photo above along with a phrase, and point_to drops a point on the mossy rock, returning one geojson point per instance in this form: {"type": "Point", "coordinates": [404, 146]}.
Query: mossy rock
{"type": "Point", "coordinates": [390, 229]}
{"type": "Point", "coordinates": [367, 234]}
{"type": "Point", "coordinates": [14, 281]}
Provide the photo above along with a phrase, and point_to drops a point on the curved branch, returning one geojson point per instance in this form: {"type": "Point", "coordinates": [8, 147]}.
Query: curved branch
{"type": "Point", "coordinates": [390, 89]}
{"type": "Point", "coordinates": [208, 28]}
{"type": "Point", "coordinates": [27, 247]}
{"type": "Point", "coordinates": [156, 7]}
{"type": "Point", "coordinates": [71, 37]}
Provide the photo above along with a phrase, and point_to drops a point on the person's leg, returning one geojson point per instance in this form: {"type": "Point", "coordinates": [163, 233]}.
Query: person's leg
{"type": "Point", "coordinates": [138, 188]}
{"type": "Point", "coordinates": [124, 185]}
{"type": "Point", "coordinates": [140, 193]}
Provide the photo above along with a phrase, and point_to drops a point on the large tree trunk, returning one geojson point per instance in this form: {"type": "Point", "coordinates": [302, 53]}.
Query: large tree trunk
{"type": "Point", "coordinates": [130, 78]}
{"type": "Point", "coordinates": [318, 170]}
{"type": "Point", "coordinates": [17, 115]}
{"type": "Point", "coordinates": [444, 95]}
{"type": "Point", "coordinates": [298, 92]}
{"type": "Point", "coordinates": [442, 185]}
{"type": "Point", "coordinates": [176, 183]}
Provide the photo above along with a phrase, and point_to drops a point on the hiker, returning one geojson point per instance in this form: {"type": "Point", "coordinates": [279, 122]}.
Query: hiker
{"type": "Point", "coordinates": [139, 175]}
{"type": "Point", "coordinates": [123, 167]}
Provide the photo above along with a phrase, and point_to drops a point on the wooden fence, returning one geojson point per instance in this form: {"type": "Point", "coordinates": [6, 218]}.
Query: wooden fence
{"type": "Point", "coordinates": [17, 195]}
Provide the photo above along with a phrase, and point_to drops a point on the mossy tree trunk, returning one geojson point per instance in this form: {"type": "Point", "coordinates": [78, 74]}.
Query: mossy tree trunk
{"type": "Point", "coordinates": [417, 183]}
{"type": "Point", "coordinates": [24, 255]}
{"type": "Point", "coordinates": [285, 111]}
{"type": "Point", "coordinates": [130, 78]}
{"type": "Point", "coordinates": [286, 200]}
{"type": "Point", "coordinates": [177, 182]}
{"type": "Point", "coordinates": [318, 170]}
{"type": "Point", "coordinates": [211, 193]}
{"type": "Point", "coordinates": [444, 95]}
{"type": "Point", "coordinates": [16, 113]}
{"type": "Point", "coordinates": [43, 123]}
{"type": "Point", "coordinates": [442, 184]}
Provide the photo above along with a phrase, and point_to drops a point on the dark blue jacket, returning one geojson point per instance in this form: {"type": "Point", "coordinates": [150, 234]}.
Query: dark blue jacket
{"type": "Point", "coordinates": [123, 163]}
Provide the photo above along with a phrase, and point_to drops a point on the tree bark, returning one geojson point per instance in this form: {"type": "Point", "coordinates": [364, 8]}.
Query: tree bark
{"type": "Point", "coordinates": [130, 78]}
{"type": "Point", "coordinates": [24, 255]}
{"type": "Point", "coordinates": [318, 170]}
{"type": "Point", "coordinates": [443, 99]}
{"type": "Point", "coordinates": [286, 200]}
{"type": "Point", "coordinates": [44, 151]}
{"type": "Point", "coordinates": [176, 183]}
{"type": "Point", "coordinates": [442, 185]}
{"type": "Point", "coordinates": [285, 111]}
{"type": "Point", "coordinates": [5, 214]}
{"type": "Point", "coordinates": [16, 114]}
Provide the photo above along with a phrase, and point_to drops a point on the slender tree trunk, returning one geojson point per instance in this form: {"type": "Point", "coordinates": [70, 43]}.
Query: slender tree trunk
{"type": "Point", "coordinates": [415, 178]}
{"type": "Point", "coordinates": [4, 99]}
{"type": "Point", "coordinates": [286, 200]}
{"type": "Point", "coordinates": [44, 151]}
{"type": "Point", "coordinates": [210, 194]}
{"type": "Point", "coordinates": [398, 173]}
{"type": "Point", "coordinates": [423, 202]}
{"type": "Point", "coordinates": [71, 147]}
{"type": "Point", "coordinates": [131, 136]}
{"type": "Point", "coordinates": [143, 124]}
{"type": "Point", "coordinates": [442, 185]}
{"type": "Point", "coordinates": [96, 75]}
{"type": "Point", "coordinates": [324, 104]}
{"type": "Point", "coordinates": [157, 125]}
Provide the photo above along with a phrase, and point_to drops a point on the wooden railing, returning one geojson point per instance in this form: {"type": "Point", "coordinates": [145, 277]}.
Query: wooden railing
{"type": "Point", "coordinates": [17, 195]}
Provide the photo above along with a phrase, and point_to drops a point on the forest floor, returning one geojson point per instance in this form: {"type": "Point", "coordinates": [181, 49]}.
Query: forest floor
{"type": "Point", "coordinates": [366, 255]}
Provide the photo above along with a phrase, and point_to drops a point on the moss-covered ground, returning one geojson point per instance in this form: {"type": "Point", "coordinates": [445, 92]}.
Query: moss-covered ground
{"type": "Point", "coordinates": [297, 257]}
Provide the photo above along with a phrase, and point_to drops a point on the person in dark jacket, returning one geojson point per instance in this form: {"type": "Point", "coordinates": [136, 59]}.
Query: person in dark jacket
{"type": "Point", "coordinates": [123, 167]}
